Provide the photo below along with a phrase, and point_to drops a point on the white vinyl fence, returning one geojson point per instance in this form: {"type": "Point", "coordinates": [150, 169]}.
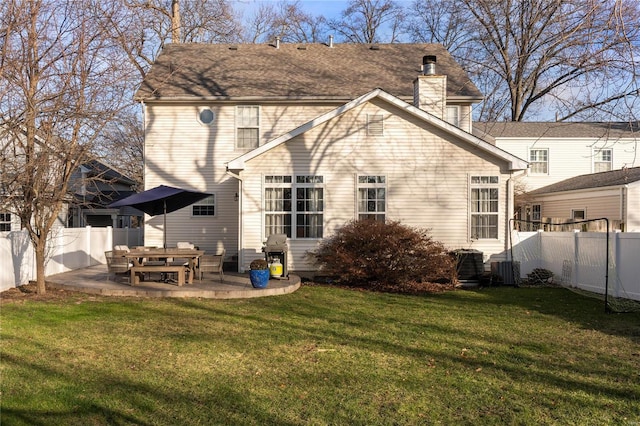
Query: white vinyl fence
{"type": "Point", "coordinates": [579, 259]}
{"type": "Point", "coordinates": [69, 249]}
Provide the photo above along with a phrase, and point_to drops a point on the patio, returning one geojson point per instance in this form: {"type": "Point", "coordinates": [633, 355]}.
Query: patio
{"type": "Point", "coordinates": [235, 285]}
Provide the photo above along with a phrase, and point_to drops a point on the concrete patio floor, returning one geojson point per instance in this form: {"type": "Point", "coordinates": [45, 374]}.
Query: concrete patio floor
{"type": "Point", "coordinates": [235, 285]}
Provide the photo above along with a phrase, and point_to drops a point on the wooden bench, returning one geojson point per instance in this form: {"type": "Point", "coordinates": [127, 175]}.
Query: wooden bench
{"type": "Point", "coordinates": [136, 270]}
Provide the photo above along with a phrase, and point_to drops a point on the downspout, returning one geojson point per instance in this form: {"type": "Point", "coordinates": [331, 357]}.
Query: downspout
{"type": "Point", "coordinates": [510, 211]}
{"type": "Point", "coordinates": [240, 219]}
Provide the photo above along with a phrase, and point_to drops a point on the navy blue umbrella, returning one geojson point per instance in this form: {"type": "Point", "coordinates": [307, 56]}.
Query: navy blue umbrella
{"type": "Point", "coordinates": [161, 200]}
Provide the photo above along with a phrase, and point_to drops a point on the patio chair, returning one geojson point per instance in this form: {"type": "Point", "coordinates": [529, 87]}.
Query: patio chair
{"type": "Point", "coordinates": [117, 264]}
{"type": "Point", "coordinates": [212, 263]}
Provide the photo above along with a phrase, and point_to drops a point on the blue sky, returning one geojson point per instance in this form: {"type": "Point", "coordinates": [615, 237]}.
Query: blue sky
{"type": "Point", "coordinates": [328, 8]}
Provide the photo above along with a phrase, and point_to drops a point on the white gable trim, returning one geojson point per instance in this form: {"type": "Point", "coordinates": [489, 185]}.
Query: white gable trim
{"type": "Point", "coordinates": [515, 163]}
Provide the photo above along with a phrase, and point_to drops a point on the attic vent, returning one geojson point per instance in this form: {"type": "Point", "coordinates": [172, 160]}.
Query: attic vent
{"type": "Point", "coordinates": [375, 124]}
{"type": "Point", "coordinates": [374, 47]}
{"type": "Point", "coordinates": [234, 47]}
{"type": "Point", "coordinates": [302, 47]}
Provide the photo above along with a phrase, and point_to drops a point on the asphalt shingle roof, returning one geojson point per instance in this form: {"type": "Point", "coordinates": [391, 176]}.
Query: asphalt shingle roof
{"type": "Point", "coordinates": [533, 130]}
{"type": "Point", "coordinates": [308, 71]}
{"type": "Point", "coordinates": [593, 180]}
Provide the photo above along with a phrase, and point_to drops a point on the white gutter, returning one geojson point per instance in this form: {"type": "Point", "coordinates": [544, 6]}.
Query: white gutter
{"type": "Point", "coordinates": [240, 220]}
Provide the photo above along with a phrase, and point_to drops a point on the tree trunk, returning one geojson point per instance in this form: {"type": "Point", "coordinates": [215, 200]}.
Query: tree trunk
{"type": "Point", "coordinates": [40, 283]}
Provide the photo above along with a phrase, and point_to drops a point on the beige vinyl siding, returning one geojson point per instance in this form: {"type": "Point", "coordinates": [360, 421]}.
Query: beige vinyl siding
{"type": "Point", "coordinates": [569, 157]}
{"type": "Point", "coordinates": [180, 151]}
{"type": "Point", "coordinates": [427, 178]}
{"type": "Point", "coordinates": [597, 203]}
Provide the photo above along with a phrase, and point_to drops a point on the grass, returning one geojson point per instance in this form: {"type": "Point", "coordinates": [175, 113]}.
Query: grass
{"type": "Point", "coordinates": [321, 356]}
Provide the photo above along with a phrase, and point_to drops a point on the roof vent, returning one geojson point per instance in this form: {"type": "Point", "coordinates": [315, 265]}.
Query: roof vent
{"type": "Point", "coordinates": [330, 41]}
{"type": "Point", "coordinates": [233, 47]}
{"type": "Point", "coordinates": [277, 42]}
{"type": "Point", "coordinates": [302, 47]}
{"type": "Point", "coordinates": [374, 47]}
{"type": "Point", "coordinates": [429, 65]}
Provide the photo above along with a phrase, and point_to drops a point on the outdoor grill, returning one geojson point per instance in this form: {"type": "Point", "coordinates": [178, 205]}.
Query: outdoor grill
{"type": "Point", "coordinates": [276, 247]}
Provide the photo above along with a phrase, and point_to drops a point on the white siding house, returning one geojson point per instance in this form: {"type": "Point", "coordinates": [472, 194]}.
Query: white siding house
{"type": "Point", "coordinates": [559, 151]}
{"type": "Point", "coordinates": [303, 139]}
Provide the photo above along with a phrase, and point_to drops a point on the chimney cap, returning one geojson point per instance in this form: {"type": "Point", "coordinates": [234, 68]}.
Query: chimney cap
{"type": "Point", "coordinates": [429, 65]}
{"type": "Point", "coordinates": [429, 59]}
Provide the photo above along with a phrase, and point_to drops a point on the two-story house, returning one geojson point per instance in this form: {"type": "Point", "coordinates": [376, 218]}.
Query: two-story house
{"type": "Point", "coordinates": [301, 139]}
{"type": "Point", "coordinates": [568, 166]}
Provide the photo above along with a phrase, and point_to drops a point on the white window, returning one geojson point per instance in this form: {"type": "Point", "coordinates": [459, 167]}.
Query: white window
{"type": "Point", "coordinates": [302, 200]}
{"type": "Point", "coordinates": [602, 160]}
{"type": "Point", "coordinates": [578, 214]}
{"type": "Point", "coordinates": [375, 124]}
{"type": "Point", "coordinates": [247, 126]}
{"type": "Point", "coordinates": [453, 115]}
{"type": "Point", "coordinates": [309, 206]}
{"type": "Point", "coordinates": [206, 116]}
{"type": "Point", "coordinates": [277, 205]}
{"type": "Point", "coordinates": [484, 207]}
{"type": "Point", "coordinates": [5, 222]}
{"type": "Point", "coordinates": [204, 207]}
{"type": "Point", "coordinates": [539, 161]}
{"type": "Point", "coordinates": [372, 197]}
{"type": "Point", "coordinates": [536, 212]}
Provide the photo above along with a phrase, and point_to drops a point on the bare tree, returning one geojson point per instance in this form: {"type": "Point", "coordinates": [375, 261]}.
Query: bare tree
{"type": "Point", "coordinates": [576, 57]}
{"type": "Point", "coordinates": [63, 84]}
{"type": "Point", "coordinates": [370, 21]}
{"type": "Point", "coordinates": [287, 21]}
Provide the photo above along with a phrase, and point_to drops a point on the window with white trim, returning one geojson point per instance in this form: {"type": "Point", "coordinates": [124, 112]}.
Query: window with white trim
{"type": "Point", "coordinates": [309, 206]}
{"type": "Point", "coordinates": [206, 116]}
{"type": "Point", "coordinates": [302, 200]}
{"type": "Point", "coordinates": [602, 160]}
{"type": "Point", "coordinates": [536, 212]}
{"type": "Point", "coordinates": [453, 115]}
{"type": "Point", "coordinates": [372, 197]}
{"type": "Point", "coordinates": [375, 124]}
{"type": "Point", "coordinates": [247, 126]}
{"type": "Point", "coordinates": [484, 207]}
{"type": "Point", "coordinates": [539, 161]}
{"type": "Point", "coordinates": [204, 207]}
{"type": "Point", "coordinates": [578, 214]}
{"type": "Point", "coordinates": [5, 222]}
{"type": "Point", "coordinates": [277, 205]}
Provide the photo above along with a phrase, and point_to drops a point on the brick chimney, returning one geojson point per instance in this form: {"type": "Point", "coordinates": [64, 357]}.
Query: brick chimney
{"type": "Point", "coordinates": [430, 89]}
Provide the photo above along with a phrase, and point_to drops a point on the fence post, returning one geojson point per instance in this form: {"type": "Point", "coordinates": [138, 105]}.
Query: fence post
{"type": "Point", "coordinates": [616, 261]}
{"type": "Point", "coordinates": [88, 245]}
{"type": "Point", "coordinates": [576, 258]}
{"type": "Point", "coordinates": [109, 237]}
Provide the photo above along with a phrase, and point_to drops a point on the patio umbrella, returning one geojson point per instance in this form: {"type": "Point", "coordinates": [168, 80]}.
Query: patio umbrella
{"type": "Point", "coordinates": [161, 200]}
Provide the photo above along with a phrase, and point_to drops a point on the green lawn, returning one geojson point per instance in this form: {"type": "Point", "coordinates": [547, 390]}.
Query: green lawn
{"type": "Point", "coordinates": [321, 356]}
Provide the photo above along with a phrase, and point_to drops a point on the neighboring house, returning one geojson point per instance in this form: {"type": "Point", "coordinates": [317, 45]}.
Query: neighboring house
{"type": "Point", "coordinates": [557, 151]}
{"type": "Point", "coordinates": [95, 185]}
{"type": "Point", "coordinates": [614, 195]}
{"type": "Point", "coordinates": [301, 139]}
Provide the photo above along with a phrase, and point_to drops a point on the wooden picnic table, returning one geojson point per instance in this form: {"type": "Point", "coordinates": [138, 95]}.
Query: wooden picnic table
{"type": "Point", "coordinates": [141, 263]}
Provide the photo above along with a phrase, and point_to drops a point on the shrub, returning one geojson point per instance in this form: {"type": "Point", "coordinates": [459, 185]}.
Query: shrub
{"type": "Point", "coordinates": [258, 264]}
{"type": "Point", "coordinates": [540, 276]}
{"type": "Point", "coordinates": [369, 253]}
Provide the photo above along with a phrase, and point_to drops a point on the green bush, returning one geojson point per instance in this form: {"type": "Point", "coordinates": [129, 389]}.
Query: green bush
{"type": "Point", "coordinates": [369, 253]}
